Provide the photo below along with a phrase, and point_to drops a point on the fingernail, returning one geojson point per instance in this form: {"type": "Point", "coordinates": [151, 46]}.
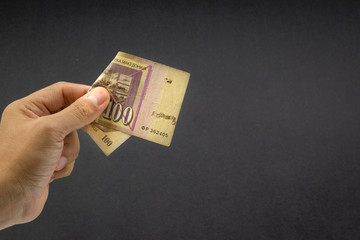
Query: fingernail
{"type": "Point", "coordinates": [97, 96]}
{"type": "Point", "coordinates": [61, 164]}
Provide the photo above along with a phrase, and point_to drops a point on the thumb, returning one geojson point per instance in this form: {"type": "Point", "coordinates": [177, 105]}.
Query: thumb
{"type": "Point", "coordinates": [81, 112]}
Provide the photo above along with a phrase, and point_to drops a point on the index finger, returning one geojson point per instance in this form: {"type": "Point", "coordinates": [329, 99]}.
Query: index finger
{"type": "Point", "coordinates": [55, 97]}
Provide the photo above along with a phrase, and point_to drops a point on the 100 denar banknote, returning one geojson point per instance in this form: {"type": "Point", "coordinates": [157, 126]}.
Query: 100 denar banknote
{"type": "Point", "coordinates": [145, 101]}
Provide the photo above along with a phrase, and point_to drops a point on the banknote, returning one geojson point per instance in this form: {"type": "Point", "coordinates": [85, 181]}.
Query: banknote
{"type": "Point", "coordinates": [145, 101]}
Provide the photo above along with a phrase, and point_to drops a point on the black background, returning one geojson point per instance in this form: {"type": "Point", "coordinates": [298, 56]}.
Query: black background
{"type": "Point", "coordinates": [267, 142]}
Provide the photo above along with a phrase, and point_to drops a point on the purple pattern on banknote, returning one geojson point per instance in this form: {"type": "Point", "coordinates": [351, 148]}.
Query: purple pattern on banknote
{"type": "Point", "coordinates": [133, 88]}
{"type": "Point", "coordinates": [142, 94]}
{"type": "Point", "coordinates": [123, 85]}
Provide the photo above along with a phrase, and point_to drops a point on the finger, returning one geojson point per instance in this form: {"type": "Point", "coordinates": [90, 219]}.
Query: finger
{"type": "Point", "coordinates": [55, 97]}
{"type": "Point", "coordinates": [65, 172]}
{"type": "Point", "coordinates": [70, 151]}
{"type": "Point", "coordinates": [81, 112]}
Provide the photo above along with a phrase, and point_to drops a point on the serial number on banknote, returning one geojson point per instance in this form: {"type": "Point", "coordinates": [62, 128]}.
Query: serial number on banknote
{"type": "Point", "coordinates": [155, 131]}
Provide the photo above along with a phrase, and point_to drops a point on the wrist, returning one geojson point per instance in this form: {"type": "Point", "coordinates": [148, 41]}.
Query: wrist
{"type": "Point", "coordinates": [12, 199]}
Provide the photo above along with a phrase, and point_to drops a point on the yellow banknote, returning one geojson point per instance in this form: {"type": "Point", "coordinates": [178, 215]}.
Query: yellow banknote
{"type": "Point", "coordinates": [146, 98]}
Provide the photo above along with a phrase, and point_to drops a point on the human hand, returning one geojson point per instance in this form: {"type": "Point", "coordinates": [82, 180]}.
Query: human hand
{"type": "Point", "coordinates": [39, 143]}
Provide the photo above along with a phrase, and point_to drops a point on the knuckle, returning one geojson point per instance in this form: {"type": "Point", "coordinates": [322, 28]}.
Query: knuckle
{"type": "Point", "coordinates": [60, 83]}
{"type": "Point", "coordinates": [11, 108]}
{"type": "Point", "coordinates": [57, 85]}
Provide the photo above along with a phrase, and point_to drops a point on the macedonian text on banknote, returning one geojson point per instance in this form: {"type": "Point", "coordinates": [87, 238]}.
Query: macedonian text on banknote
{"type": "Point", "coordinates": [145, 101]}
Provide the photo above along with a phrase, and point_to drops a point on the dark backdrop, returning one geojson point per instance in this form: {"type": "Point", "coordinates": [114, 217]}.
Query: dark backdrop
{"type": "Point", "coordinates": [267, 143]}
